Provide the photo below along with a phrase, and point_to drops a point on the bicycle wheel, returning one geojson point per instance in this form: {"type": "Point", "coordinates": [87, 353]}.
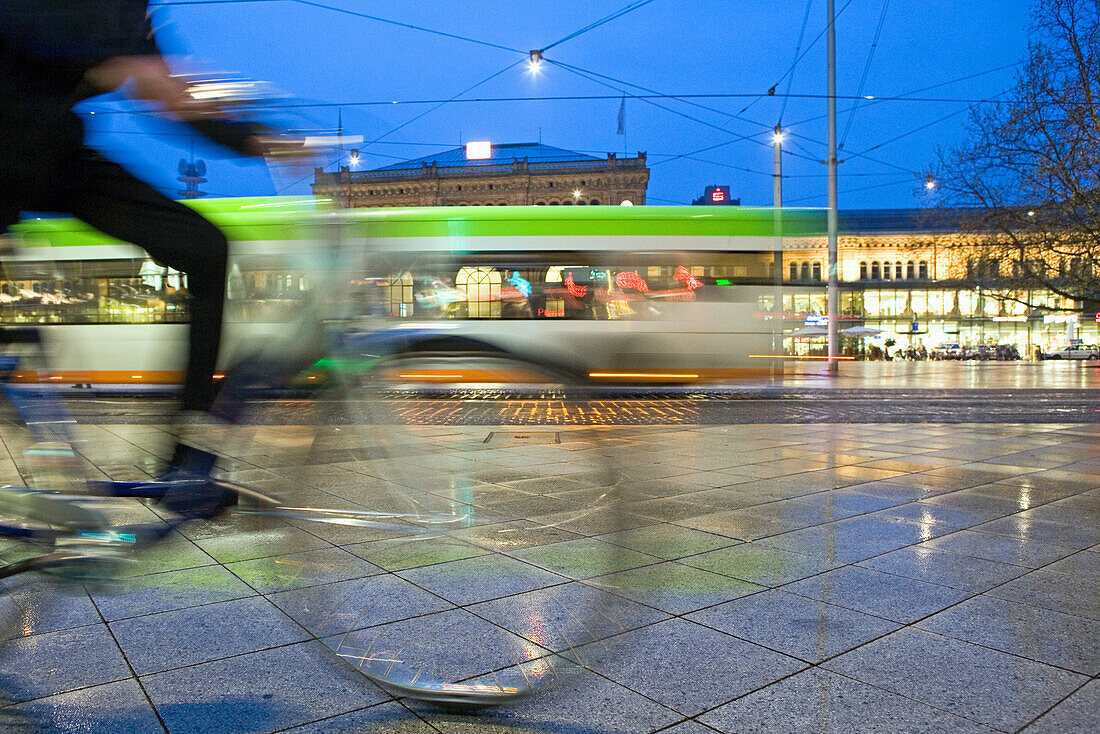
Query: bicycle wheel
{"type": "Point", "coordinates": [482, 544]}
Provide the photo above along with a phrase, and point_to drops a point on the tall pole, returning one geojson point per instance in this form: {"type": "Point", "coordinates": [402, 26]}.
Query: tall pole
{"type": "Point", "coordinates": [777, 255]}
{"type": "Point", "coordinates": [831, 295]}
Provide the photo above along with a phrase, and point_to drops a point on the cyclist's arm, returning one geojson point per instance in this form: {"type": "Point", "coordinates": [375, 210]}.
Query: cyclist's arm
{"type": "Point", "coordinates": [112, 43]}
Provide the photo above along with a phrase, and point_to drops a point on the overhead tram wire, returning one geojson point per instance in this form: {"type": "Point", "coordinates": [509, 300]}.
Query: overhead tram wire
{"type": "Point", "coordinates": [647, 99]}
{"type": "Point", "coordinates": [797, 51]}
{"type": "Point", "coordinates": [910, 95]}
{"type": "Point", "coordinates": [686, 98]}
{"type": "Point", "coordinates": [345, 11]}
{"type": "Point", "coordinates": [900, 181]}
{"type": "Point", "coordinates": [389, 132]}
{"type": "Point", "coordinates": [764, 126]}
{"type": "Point", "coordinates": [596, 24]}
{"type": "Point", "coordinates": [792, 67]}
{"type": "Point", "coordinates": [915, 130]}
{"type": "Point", "coordinates": [866, 70]}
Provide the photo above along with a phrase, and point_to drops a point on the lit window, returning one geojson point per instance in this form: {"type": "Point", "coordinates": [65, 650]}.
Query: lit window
{"type": "Point", "coordinates": [481, 287]}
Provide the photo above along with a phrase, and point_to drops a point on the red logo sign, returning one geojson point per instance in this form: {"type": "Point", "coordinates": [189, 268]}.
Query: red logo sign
{"type": "Point", "coordinates": [718, 195]}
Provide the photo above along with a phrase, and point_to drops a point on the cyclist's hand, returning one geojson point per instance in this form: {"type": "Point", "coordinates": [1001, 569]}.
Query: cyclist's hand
{"type": "Point", "coordinates": [151, 79]}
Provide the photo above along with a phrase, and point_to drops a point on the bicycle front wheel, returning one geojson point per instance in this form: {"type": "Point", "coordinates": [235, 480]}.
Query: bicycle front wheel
{"type": "Point", "coordinates": [487, 542]}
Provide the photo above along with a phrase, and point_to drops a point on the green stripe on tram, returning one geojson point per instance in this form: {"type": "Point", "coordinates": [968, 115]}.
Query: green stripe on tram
{"type": "Point", "coordinates": [294, 218]}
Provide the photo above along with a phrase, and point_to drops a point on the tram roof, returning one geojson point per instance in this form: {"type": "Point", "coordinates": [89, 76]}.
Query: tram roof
{"type": "Point", "coordinates": [286, 218]}
{"type": "Point", "coordinates": [291, 218]}
{"type": "Point", "coordinates": [503, 153]}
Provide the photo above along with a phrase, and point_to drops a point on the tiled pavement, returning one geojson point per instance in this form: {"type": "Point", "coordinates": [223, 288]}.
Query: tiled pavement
{"type": "Point", "coordinates": [772, 578]}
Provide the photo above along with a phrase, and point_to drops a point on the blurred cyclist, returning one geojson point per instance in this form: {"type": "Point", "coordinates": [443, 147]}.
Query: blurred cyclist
{"type": "Point", "coordinates": [55, 53]}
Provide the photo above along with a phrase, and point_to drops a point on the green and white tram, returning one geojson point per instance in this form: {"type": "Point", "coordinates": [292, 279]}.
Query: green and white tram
{"type": "Point", "coordinates": [631, 294]}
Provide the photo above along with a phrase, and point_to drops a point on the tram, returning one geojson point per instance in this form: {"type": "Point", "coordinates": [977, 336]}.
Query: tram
{"type": "Point", "coordinates": [629, 294]}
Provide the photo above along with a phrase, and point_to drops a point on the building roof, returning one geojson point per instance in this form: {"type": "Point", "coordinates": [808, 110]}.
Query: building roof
{"type": "Point", "coordinates": [906, 221]}
{"type": "Point", "coordinates": [503, 153]}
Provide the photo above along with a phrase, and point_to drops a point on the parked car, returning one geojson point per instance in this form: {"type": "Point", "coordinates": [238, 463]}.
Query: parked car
{"type": "Point", "coordinates": [1073, 351]}
{"type": "Point", "coordinates": [982, 352]}
{"type": "Point", "coordinates": [946, 351]}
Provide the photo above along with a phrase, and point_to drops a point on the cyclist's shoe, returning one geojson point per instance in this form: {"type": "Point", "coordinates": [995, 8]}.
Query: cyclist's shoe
{"type": "Point", "coordinates": [195, 494]}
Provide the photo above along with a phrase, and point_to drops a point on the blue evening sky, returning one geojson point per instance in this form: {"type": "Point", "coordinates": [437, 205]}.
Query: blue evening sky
{"type": "Point", "coordinates": [676, 47]}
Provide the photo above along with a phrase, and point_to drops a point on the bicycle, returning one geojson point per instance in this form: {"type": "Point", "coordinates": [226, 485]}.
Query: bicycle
{"type": "Point", "coordinates": [523, 616]}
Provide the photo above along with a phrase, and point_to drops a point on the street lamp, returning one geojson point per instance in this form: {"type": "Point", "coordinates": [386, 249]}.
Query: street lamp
{"type": "Point", "coordinates": [576, 194]}
{"type": "Point", "coordinates": [534, 62]}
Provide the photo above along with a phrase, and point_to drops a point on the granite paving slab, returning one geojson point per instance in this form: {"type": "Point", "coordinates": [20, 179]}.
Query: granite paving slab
{"type": "Point", "coordinates": [819, 701]}
{"type": "Point", "coordinates": [993, 688]}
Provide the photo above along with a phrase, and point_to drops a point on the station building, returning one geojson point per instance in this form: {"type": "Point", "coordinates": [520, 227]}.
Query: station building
{"type": "Point", "coordinates": [498, 175]}
{"type": "Point", "coordinates": [914, 275]}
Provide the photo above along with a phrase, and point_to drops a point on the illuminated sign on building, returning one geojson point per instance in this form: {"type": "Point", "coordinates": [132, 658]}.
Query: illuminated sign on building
{"type": "Point", "coordinates": [717, 196]}
{"type": "Point", "coordinates": [816, 320]}
{"type": "Point", "coordinates": [478, 150]}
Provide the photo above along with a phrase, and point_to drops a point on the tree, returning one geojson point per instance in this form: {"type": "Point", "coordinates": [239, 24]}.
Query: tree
{"type": "Point", "coordinates": [1028, 178]}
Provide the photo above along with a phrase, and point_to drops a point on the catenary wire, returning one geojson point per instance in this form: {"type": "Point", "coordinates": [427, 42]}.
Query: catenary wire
{"type": "Point", "coordinates": [345, 11]}
{"type": "Point", "coordinates": [866, 71]}
{"type": "Point", "coordinates": [596, 24]}
{"type": "Point", "coordinates": [797, 51]}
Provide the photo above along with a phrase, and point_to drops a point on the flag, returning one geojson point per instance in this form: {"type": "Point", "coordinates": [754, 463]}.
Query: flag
{"type": "Point", "coordinates": [622, 116]}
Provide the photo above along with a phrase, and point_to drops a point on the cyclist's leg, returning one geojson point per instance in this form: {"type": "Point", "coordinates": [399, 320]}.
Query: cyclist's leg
{"type": "Point", "coordinates": [112, 200]}
{"type": "Point", "coordinates": [109, 198]}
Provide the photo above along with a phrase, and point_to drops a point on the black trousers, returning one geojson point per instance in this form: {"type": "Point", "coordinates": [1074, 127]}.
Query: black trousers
{"type": "Point", "coordinates": [103, 194]}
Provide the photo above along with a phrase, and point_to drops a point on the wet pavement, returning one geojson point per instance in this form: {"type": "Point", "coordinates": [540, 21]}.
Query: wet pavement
{"type": "Point", "coordinates": [822, 574]}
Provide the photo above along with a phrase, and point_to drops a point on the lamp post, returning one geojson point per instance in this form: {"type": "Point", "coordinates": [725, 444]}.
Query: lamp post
{"type": "Point", "coordinates": [777, 255]}
{"type": "Point", "coordinates": [831, 294]}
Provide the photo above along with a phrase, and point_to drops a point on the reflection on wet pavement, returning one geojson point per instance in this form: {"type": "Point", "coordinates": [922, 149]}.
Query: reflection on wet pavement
{"type": "Point", "coordinates": [828, 577]}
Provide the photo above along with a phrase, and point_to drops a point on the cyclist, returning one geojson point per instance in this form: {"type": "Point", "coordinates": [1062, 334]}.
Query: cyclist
{"type": "Point", "coordinates": [55, 53]}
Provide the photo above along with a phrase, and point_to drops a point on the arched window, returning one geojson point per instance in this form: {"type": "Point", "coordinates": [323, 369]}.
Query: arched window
{"type": "Point", "coordinates": [794, 271]}
{"type": "Point", "coordinates": [481, 287]}
{"type": "Point", "coordinates": [567, 202]}
{"type": "Point", "coordinates": [553, 203]}
{"type": "Point", "coordinates": [817, 271]}
{"type": "Point", "coordinates": [875, 272]}
{"type": "Point", "coordinates": [910, 270]}
{"type": "Point", "coordinates": [594, 202]}
{"type": "Point", "coordinates": [922, 270]}
{"type": "Point", "coordinates": [863, 270]}
{"type": "Point", "coordinates": [887, 270]}
{"type": "Point", "coordinates": [897, 270]}
{"type": "Point", "coordinates": [540, 203]}
{"type": "Point", "coordinates": [805, 271]}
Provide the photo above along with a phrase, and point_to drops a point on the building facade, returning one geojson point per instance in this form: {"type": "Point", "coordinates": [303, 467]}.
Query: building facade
{"type": "Point", "coordinates": [515, 174]}
{"type": "Point", "coordinates": [913, 275]}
